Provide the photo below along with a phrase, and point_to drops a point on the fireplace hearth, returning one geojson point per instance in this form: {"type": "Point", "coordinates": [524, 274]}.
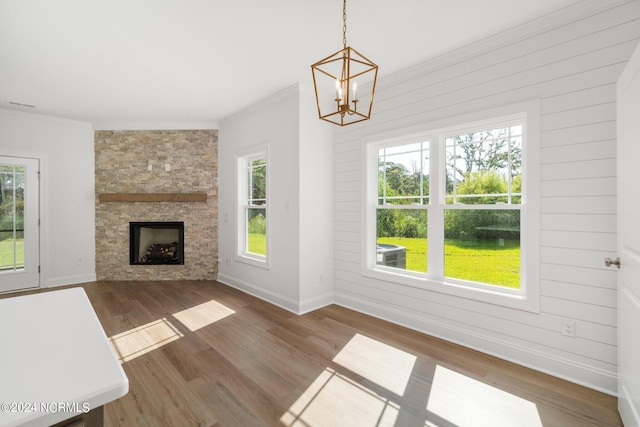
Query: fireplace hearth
{"type": "Point", "coordinates": [156, 243]}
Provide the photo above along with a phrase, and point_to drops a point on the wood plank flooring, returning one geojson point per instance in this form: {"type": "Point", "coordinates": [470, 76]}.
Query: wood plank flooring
{"type": "Point", "coordinates": [204, 354]}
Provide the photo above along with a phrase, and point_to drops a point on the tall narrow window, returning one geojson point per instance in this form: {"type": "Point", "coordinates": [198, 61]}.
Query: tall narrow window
{"type": "Point", "coordinates": [256, 207]}
{"type": "Point", "coordinates": [253, 212]}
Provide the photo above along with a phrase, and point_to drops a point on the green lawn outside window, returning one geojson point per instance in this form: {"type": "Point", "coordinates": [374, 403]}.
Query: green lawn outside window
{"type": "Point", "coordinates": [482, 262]}
{"type": "Point", "coordinates": [6, 253]}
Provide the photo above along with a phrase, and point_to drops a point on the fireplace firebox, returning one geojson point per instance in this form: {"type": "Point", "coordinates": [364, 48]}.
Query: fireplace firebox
{"type": "Point", "coordinates": [156, 243]}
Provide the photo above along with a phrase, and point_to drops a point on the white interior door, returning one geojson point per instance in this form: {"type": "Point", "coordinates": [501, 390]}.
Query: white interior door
{"type": "Point", "coordinates": [628, 153]}
{"type": "Point", "coordinates": [19, 229]}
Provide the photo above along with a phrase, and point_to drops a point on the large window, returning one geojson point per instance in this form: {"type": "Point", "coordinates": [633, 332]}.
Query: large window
{"type": "Point", "coordinates": [451, 211]}
{"type": "Point", "coordinates": [252, 209]}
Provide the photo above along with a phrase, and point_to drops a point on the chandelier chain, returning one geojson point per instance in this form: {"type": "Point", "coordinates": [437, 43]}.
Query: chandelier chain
{"type": "Point", "coordinates": [344, 23]}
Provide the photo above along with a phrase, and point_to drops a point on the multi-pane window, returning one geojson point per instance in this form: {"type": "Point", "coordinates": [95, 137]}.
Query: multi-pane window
{"type": "Point", "coordinates": [253, 210]}
{"type": "Point", "coordinates": [402, 212]}
{"type": "Point", "coordinates": [449, 207]}
{"type": "Point", "coordinates": [482, 205]}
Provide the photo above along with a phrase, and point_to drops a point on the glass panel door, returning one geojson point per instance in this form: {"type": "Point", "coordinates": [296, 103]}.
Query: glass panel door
{"type": "Point", "coordinates": [19, 231]}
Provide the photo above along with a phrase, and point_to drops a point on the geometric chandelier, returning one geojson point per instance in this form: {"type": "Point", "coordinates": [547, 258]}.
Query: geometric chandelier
{"type": "Point", "coordinates": [342, 81]}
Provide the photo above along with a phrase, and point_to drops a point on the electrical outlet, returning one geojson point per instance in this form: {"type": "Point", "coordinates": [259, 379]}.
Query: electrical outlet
{"type": "Point", "coordinates": [568, 328]}
{"type": "Point", "coordinates": [80, 260]}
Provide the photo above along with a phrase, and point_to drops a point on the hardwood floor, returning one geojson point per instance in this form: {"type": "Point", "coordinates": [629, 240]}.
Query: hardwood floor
{"type": "Point", "coordinates": [204, 354]}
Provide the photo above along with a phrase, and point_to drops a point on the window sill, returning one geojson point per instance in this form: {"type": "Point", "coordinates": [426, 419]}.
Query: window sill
{"type": "Point", "coordinates": [495, 295]}
{"type": "Point", "coordinates": [255, 260]}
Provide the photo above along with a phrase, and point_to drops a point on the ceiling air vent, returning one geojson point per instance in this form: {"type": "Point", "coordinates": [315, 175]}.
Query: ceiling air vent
{"type": "Point", "coordinates": [21, 104]}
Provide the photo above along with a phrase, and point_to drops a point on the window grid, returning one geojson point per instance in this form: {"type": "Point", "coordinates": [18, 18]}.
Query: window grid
{"type": "Point", "coordinates": [253, 213]}
{"type": "Point", "coordinates": [501, 141]}
{"type": "Point", "coordinates": [510, 135]}
{"type": "Point", "coordinates": [383, 161]}
{"type": "Point", "coordinates": [252, 168]}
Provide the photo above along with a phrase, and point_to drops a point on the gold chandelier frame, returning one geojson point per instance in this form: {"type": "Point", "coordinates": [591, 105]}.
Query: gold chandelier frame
{"type": "Point", "coordinates": [344, 67]}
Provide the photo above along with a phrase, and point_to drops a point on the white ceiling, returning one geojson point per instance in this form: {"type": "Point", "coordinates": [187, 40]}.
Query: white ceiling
{"type": "Point", "coordinates": [172, 63]}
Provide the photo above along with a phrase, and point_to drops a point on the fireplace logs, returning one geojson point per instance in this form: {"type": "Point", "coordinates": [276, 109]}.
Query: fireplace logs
{"type": "Point", "coordinates": [162, 252]}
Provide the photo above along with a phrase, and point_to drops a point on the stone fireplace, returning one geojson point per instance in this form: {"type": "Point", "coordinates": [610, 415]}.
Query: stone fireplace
{"type": "Point", "coordinates": [156, 177]}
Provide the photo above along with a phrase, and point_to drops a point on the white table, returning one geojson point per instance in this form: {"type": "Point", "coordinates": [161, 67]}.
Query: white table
{"type": "Point", "coordinates": [55, 359]}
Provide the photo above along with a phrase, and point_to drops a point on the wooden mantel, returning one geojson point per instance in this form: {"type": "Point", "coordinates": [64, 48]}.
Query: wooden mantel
{"type": "Point", "coordinates": [152, 197]}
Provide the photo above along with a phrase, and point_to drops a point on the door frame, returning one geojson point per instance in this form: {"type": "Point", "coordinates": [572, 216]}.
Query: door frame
{"type": "Point", "coordinates": [629, 412]}
{"type": "Point", "coordinates": [42, 162]}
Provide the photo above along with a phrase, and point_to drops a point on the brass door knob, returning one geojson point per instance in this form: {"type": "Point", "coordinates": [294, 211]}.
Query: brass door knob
{"type": "Point", "coordinates": [608, 262]}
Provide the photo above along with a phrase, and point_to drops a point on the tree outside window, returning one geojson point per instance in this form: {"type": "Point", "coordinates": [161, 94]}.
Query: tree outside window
{"type": "Point", "coordinates": [12, 180]}
{"type": "Point", "coordinates": [256, 207]}
{"type": "Point", "coordinates": [253, 214]}
{"type": "Point", "coordinates": [479, 179]}
{"type": "Point", "coordinates": [482, 206]}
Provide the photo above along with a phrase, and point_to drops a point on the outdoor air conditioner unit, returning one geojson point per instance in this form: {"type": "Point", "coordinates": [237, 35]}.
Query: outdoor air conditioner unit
{"type": "Point", "coordinates": [391, 255]}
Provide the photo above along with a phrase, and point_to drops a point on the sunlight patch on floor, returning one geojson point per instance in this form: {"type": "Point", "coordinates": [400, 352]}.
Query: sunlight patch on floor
{"type": "Point", "coordinates": [380, 363]}
{"type": "Point", "coordinates": [464, 401]}
{"type": "Point", "coordinates": [202, 315]}
{"type": "Point", "coordinates": [338, 397]}
{"type": "Point", "coordinates": [138, 341]}
{"type": "Point", "coordinates": [335, 400]}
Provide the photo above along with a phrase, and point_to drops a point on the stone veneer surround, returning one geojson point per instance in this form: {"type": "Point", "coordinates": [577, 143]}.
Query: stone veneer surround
{"type": "Point", "coordinates": [121, 166]}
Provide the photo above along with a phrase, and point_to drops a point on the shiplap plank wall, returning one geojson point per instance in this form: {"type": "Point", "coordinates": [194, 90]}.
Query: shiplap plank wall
{"type": "Point", "coordinates": [570, 62]}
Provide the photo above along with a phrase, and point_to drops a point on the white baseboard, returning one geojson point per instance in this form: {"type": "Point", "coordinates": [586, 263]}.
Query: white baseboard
{"type": "Point", "coordinates": [627, 410]}
{"type": "Point", "coordinates": [311, 304]}
{"type": "Point", "coordinates": [587, 376]}
{"type": "Point", "coordinates": [269, 296]}
{"type": "Point", "coordinates": [69, 280]}
{"type": "Point", "coordinates": [289, 304]}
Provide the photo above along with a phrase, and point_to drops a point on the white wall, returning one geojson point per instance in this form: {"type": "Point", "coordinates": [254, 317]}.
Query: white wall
{"type": "Point", "coordinates": [316, 209]}
{"type": "Point", "coordinates": [570, 62]}
{"type": "Point", "coordinates": [288, 282]}
{"type": "Point", "coordinates": [67, 184]}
